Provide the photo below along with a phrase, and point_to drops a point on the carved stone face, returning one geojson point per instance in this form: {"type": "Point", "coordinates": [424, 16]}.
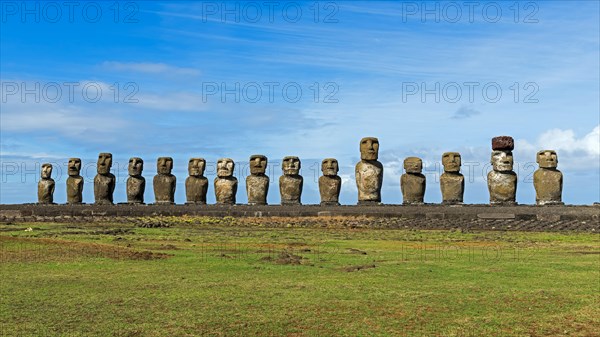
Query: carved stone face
{"type": "Point", "coordinates": [547, 159]}
{"type": "Point", "coordinates": [136, 166]}
{"type": "Point", "coordinates": [291, 165]}
{"type": "Point", "coordinates": [104, 163]}
{"type": "Point", "coordinates": [225, 167]}
{"type": "Point", "coordinates": [329, 167]}
{"type": "Point", "coordinates": [451, 161]}
{"type": "Point", "coordinates": [74, 166]}
{"type": "Point", "coordinates": [369, 148]}
{"type": "Point", "coordinates": [413, 165]}
{"type": "Point", "coordinates": [46, 171]}
{"type": "Point", "coordinates": [164, 165]}
{"type": "Point", "coordinates": [502, 161]}
{"type": "Point", "coordinates": [196, 167]}
{"type": "Point", "coordinates": [258, 164]}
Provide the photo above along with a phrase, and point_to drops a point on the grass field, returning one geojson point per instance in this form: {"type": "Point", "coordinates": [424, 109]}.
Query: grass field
{"type": "Point", "coordinates": [209, 277]}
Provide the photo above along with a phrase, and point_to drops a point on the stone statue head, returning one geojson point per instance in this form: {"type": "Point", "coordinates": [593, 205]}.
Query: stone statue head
{"type": "Point", "coordinates": [258, 164]}
{"type": "Point", "coordinates": [547, 159]}
{"type": "Point", "coordinates": [329, 167]}
{"type": "Point", "coordinates": [46, 171]}
{"type": "Point", "coordinates": [74, 166]}
{"type": "Point", "coordinates": [451, 161]}
{"type": "Point", "coordinates": [225, 167]}
{"type": "Point", "coordinates": [196, 167]}
{"type": "Point", "coordinates": [502, 161]}
{"type": "Point", "coordinates": [291, 165]}
{"type": "Point", "coordinates": [413, 165]}
{"type": "Point", "coordinates": [136, 166]}
{"type": "Point", "coordinates": [369, 148]}
{"type": "Point", "coordinates": [164, 165]}
{"type": "Point", "coordinates": [104, 163]}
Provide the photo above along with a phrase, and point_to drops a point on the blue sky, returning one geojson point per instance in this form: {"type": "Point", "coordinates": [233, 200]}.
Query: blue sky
{"type": "Point", "coordinates": [182, 79]}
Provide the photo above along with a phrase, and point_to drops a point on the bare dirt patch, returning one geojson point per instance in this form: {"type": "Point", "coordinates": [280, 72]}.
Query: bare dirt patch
{"type": "Point", "coordinates": [585, 252]}
{"type": "Point", "coordinates": [350, 269]}
{"type": "Point", "coordinates": [166, 247]}
{"type": "Point", "coordinates": [286, 258]}
{"type": "Point", "coordinates": [356, 251]}
{"type": "Point", "coordinates": [13, 249]}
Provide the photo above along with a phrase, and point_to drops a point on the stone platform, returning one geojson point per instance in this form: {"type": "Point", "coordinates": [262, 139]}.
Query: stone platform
{"type": "Point", "coordinates": [525, 217]}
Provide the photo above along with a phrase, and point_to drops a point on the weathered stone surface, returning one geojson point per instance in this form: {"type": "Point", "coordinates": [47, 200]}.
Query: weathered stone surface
{"type": "Point", "coordinates": [196, 185]}
{"type": "Point", "coordinates": [496, 216]}
{"type": "Point", "coordinates": [136, 184]}
{"type": "Point", "coordinates": [291, 182]}
{"type": "Point", "coordinates": [46, 185]}
{"type": "Point", "coordinates": [225, 183]}
{"type": "Point", "coordinates": [412, 183]}
{"type": "Point", "coordinates": [369, 148]}
{"type": "Point", "coordinates": [502, 161]}
{"type": "Point", "coordinates": [369, 172]}
{"type": "Point", "coordinates": [330, 183]}
{"type": "Point", "coordinates": [503, 143]}
{"type": "Point", "coordinates": [547, 180]}
{"type": "Point", "coordinates": [164, 182]}
{"type": "Point", "coordinates": [471, 217]}
{"type": "Point", "coordinates": [452, 186]}
{"type": "Point", "coordinates": [452, 182]}
{"type": "Point", "coordinates": [74, 182]}
{"type": "Point", "coordinates": [502, 181]}
{"type": "Point", "coordinates": [104, 182]}
{"type": "Point", "coordinates": [257, 183]}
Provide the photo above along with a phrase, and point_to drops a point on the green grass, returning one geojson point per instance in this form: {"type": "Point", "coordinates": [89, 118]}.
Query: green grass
{"type": "Point", "coordinates": [210, 277]}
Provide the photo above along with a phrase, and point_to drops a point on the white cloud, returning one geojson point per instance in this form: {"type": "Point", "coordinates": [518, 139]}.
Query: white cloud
{"type": "Point", "coordinates": [565, 140]}
{"type": "Point", "coordinates": [184, 101]}
{"type": "Point", "coordinates": [348, 183]}
{"type": "Point", "coordinates": [465, 112]}
{"type": "Point", "coordinates": [573, 152]}
{"type": "Point", "coordinates": [150, 68]}
{"type": "Point", "coordinates": [87, 115]}
{"type": "Point", "coordinates": [35, 155]}
{"type": "Point", "coordinates": [72, 121]}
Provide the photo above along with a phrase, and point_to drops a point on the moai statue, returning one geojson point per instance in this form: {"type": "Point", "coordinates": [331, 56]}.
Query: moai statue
{"type": "Point", "coordinates": [330, 183]}
{"type": "Point", "coordinates": [136, 184]}
{"type": "Point", "coordinates": [257, 183]}
{"type": "Point", "coordinates": [369, 172]}
{"type": "Point", "coordinates": [196, 185]}
{"type": "Point", "coordinates": [290, 183]}
{"type": "Point", "coordinates": [74, 182]}
{"type": "Point", "coordinates": [547, 180]}
{"type": "Point", "coordinates": [225, 182]}
{"type": "Point", "coordinates": [104, 182]}
{"type": "Point", "coordinates": [452, 182]}
{"type": "Point", "coordinates": [502, 181]}
{"type": "Point", "coordinates": [46, 185]}
{"type": "Point", "coordinates": [164, 182]}
{"type": "Point", "coordinates": [412, 183]}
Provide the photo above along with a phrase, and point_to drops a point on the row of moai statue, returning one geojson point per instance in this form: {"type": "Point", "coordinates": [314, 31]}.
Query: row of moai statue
{"type": "Point", "coordinates": [502, 180]}
{"type": "Point", "coordinates": [196, 185]}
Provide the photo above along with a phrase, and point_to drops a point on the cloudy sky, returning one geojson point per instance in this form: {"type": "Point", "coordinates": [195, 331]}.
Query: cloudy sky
{"type": "Point", "coordinates": [232, 79]}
